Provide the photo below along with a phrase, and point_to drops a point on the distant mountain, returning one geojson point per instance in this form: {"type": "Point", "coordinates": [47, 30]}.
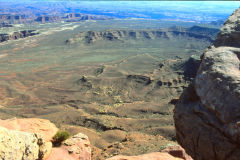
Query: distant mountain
{"type": "Point", "coordinates": [219, 22]}
{"type": "Point", "coordinates": [179, 11]}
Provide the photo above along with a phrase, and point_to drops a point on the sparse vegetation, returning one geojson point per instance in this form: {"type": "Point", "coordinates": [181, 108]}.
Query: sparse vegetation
{"type": "Point", "coordinates": [60, 136]}
{"type": "Point", "coordinates": [108, 85]}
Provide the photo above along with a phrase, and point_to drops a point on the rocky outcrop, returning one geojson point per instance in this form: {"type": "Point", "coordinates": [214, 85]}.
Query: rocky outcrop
{"type": "Point", "coordinates": [177, 151]}
{"type": "Point", "coordinates": [230, 32]}
{"type": "Point", "coordinates": [42, 127]}
{"type": "Point", "coordinates": [170, 153]}
{"type": "Point", "coordinates": [13, 18]}
{"type": "Point", "coordinates": [89, 37]}
{"type": "Point", "coordinates": [30, 139]}
{"type": "Point", "coordinates": [140, 79]}
{"type": "Point", "coordinates": [207, 115]}
{"type": "Point", "coordinates": [189, 67]}
{"type": "Point", "coordinates": [70, 17]}
{"type": "Point", "coordinates": [37, 133]}
{"type": "Point", "coordinates": [44, 19]}
{"type": "Point", "coordinates": [152, 156]}
{"type": "Point", "coordinates": [16, 145]}
{"type": "Point", "coordinates": [75, 148]}
{"type": "Point", "coordinates": [17, 35]}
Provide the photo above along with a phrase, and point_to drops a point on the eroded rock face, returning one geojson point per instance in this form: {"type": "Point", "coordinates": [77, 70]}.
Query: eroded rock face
{"type": "Point", "coordinates": [17, 35]}
{"type": "Point", "coordinates": [207, 117]}
{"type": "Point", "coordinates": [89, 37]}
{"type": "Point", "coordinates": [230, 32]}
{"type": "Point", "coordinates": [16, 145]}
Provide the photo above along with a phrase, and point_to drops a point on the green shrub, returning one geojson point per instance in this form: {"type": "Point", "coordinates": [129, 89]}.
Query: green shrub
{"type": "Point", "coordinates": [60, 137]}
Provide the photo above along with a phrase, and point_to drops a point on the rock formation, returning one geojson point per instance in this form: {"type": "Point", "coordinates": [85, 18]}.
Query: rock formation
{"type": "Point", "coordinates": [207, 115]}
{"type": "Point", "coordinates": [170, 153]}
{"type": "Point", "coordinates": [32, 125]}
{"type": "Point", "coordinates": [13, 18]}
{"type": "Point", "coordinates": [70, 17]}
{"type": "Point", "coordinates": [18, 145]}
{"type": "Point", "coordinates": [75, 148]}
{"type": "Point", "coordinates": [17, 35]}
{"type": "Point", "coordinates": [89, 37]}
{"type": "Point", "coordinates": [230, 32]}
{"type": "Point", "coordinates": [152, 156]}
{"type": "Point", "coordinates": [30, 139]}
{"type": "Point", "coordinates": [44, 19]}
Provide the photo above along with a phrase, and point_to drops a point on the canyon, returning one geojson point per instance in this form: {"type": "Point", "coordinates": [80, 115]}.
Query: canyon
{"type": "Point", "coordinates": [119, 91]}
{"type": "Point", "coordinates": [122, 88]}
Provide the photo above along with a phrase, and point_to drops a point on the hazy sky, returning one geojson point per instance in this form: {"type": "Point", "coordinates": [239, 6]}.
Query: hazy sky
{"type": "Point", "coordinates": [212, 9]}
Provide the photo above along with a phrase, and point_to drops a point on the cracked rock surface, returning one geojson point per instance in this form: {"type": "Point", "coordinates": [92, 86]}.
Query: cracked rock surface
{"type": "Point", "coordinates": [17, 145]}
{"type": "Point", "coordinates": [207, 117]}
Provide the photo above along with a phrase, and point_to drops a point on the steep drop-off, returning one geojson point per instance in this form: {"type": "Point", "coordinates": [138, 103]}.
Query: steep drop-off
{"type": "Point", "coordinates": [196, 32]}
{"type": "Point", "coordinates": [207, 116]}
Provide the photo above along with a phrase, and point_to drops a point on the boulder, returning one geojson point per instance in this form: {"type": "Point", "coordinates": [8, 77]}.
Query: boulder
{"type": "Point", "coordinates": [75, 148]}
{"type": "Point", "coordinates": [170, 153]}
{"type": "Point", "coordinates": [42, 127]}
{"type": "Point", "coordinates": [30, 139]}
{"type": "Point", "coordinates": [207, 116]}
{"type": "Point", "coordinates": [17, 145]}
{"type": "Point", "coordinates": [177, 151]}
{"type": "Point", "coordinates": [150, 156]}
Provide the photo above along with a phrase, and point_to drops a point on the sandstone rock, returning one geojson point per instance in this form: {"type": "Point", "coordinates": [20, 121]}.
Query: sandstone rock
{"type": "Point", "coordinates": [230, 32]}
{"type": "Point", "coordinates": [150, 156]}
{"type": "Point", "coordinates": [16, 145]}
{"type": "Point", "coordinates": [170, 153]}
{"type": "Point", "coordinates": [34, 143]}
{"type": "Point", "coordinates": [42, 127]}
{"type": "Point", "coordinates": [177, 151]}
{"type": "Point", "coordinates": [191, 66]}
{"type": "Point", "coordinates": [74, 148]}
{"type": "Point", "coordinates": [45, 150]}
{"type": "Point", "coordinates": [207, 115]}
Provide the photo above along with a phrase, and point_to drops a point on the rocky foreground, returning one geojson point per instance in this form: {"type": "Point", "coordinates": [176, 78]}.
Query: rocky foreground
{"type": "Point", "coordinates": [31, 139]}
{"type": "Point", "coordinates": [207, 119]}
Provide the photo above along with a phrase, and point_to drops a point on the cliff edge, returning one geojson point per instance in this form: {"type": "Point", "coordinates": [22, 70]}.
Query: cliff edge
{"type": "Point", "coordinates": [207, 117]}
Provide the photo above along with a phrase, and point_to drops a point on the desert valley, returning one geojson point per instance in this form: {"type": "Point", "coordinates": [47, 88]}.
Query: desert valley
{"type": "Point", "coordinates": [114, 79]}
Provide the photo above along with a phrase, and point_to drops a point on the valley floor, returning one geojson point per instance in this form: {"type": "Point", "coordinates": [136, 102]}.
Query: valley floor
{"type": "Point", "coordinates": [120, 94]}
